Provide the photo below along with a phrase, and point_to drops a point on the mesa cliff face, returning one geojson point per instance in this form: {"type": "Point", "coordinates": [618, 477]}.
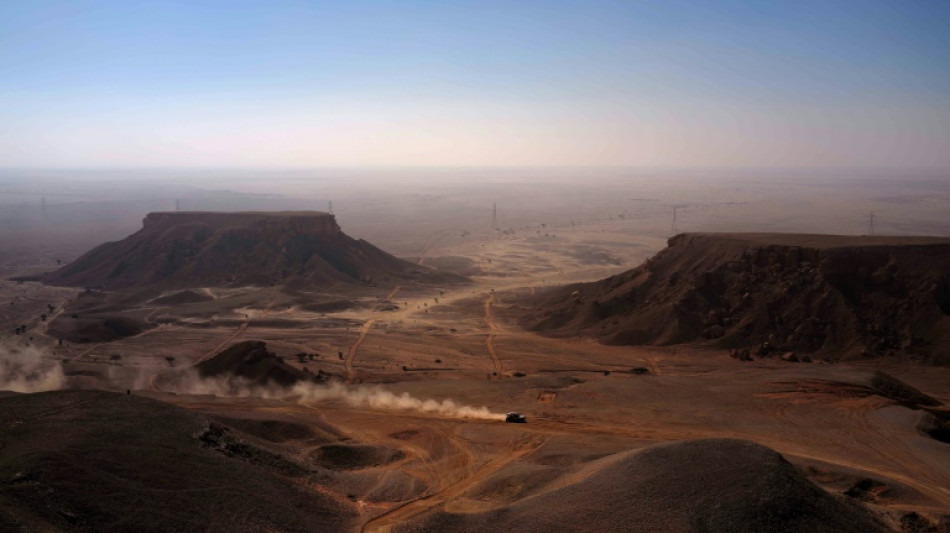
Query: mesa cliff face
{"type": "Point", "coordinates": [233, 249]}
{"type": "Point", "coordinates": [771, 293]}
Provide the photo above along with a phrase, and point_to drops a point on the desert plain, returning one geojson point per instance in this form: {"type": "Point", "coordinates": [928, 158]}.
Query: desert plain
{"type": "Point", "coordinates": [415, 436]}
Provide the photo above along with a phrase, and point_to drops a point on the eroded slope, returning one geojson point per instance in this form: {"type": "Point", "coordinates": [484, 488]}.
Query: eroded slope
{"type": "Point", "coordinates": [773, 293]}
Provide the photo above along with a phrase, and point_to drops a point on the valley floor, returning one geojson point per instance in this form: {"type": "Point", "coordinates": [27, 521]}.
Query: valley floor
{"type": "Point", "coordinates": [583, 400]}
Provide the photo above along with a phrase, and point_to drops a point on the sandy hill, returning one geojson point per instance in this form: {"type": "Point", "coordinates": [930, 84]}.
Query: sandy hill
{"type": "Point", "coordinates": [693, 486]}
{"type": "Point", "coordinates": [201, 249]}
{"type": "Point", "coordinates": [126, 463]}
{"type": "Point", "coordinates": [771, 293]}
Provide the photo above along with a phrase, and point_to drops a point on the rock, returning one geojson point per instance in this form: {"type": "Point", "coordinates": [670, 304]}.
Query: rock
{"type": "Point", "coordinates": [202, 249]}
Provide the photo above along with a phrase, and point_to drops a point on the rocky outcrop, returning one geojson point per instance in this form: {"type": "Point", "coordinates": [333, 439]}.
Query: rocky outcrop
{"type": "Point", "coordinates": [771, 294]}
{"type": "Point", "coordinates": [256, 364]}
{"type": "Point", "coordinates": [234, 249]}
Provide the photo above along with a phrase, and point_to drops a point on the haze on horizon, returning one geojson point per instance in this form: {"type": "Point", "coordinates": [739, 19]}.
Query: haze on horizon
{"type": "Point", "coordinates": [681, 83]}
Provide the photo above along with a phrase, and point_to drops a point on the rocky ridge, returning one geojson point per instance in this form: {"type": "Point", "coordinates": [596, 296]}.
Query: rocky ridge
{"type": "Point", "coordinates": [771, 294]}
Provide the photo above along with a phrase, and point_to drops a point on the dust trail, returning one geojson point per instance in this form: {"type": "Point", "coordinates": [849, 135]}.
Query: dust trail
{"type": "Point", "coordinates": [28, 369]}
{"type": "Point", "coordinates": [372, 397]}
{"type": "Point", "coordinates": [379, 398]}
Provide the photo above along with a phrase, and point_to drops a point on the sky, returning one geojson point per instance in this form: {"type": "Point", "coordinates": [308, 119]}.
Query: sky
{"type": "Point", "coordinates": [283, 83]}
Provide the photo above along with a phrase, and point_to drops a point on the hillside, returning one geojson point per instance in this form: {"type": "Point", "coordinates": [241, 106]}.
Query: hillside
{"type": "Point", "coordinates": [701, 486]}
{"type": "Point", "coordinates": [126, 463]}
{"type": "Point", "coordinates": [205, 249]}
{"type": "Point", "coordinates": [770, 293]}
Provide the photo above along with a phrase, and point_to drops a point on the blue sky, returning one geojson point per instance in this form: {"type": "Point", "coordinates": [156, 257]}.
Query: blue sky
{"type": "Point", "coordinates": [283, 83]}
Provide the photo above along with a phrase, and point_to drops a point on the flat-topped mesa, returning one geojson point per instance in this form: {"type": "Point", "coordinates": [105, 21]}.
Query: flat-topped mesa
{"type": "Point", "coordinates": [203, 249]}
{"type": "Point", "coordinates": [771, 293]}
{"type": "Point", "coordinates": [272, 223]}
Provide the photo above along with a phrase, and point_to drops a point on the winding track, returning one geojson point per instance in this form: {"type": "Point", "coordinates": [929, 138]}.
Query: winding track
{"type": "Point", "coordinates": [385, 522]}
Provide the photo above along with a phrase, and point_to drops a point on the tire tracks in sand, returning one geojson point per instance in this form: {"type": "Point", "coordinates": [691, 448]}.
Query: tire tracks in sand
{"type": "Point", "coordinates": [237, 333]}
{"type": "Point", "coordinates": [490, 340]}
{"type": "Point", "coordinates": [384, 523]}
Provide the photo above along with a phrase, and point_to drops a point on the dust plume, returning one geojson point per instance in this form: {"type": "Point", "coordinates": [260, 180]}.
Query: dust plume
{"type": "Point", "coordinates": [305, 393]}
{"type": "Point", "coordinates": [379, 398]}
{"type": "Point", "coordinates": [28, 369]}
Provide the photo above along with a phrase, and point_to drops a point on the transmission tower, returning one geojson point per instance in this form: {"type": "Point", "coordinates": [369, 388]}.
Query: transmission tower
{"type": "Point", "coordinates": [674, 229]}
{"type": "Point", "coordinates": [871, 223]}
{"type": "Point", "coordinates": [494, 216]}
{"type": "Point", "coordinates": [330, 207]}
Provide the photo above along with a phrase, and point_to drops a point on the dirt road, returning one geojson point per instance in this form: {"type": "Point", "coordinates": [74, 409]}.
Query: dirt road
{"type": "Point", "coordinates": [351, 354]}
{"type": "Point", "coordinates": [490, 340]}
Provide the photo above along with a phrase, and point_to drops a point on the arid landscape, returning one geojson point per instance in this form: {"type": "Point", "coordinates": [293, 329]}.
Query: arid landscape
{"type": "Point", "coordinates": [277, 371]}
{"type": "Point", "coordinates": [420, 267]}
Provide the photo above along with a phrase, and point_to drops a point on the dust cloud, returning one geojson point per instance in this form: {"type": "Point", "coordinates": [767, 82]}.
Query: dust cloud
{"type": "Point", "coordinates": [371, 397]}
{"type": "Point", "coordinates": [28, 369]}
{"type": "Point", "coordinates": [379, 398]}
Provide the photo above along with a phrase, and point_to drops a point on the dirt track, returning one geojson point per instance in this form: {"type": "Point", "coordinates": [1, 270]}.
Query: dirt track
{"type": "Point", "coordinates": [386, 521]}
{"type": "Point", "coordinates": [490, 340]}
{"type": "Point", "coordinates": [351, 354]}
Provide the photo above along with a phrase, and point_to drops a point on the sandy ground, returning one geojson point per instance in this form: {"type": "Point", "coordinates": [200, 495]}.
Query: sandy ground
{"type": "Point", "coordinates": [581, 398]}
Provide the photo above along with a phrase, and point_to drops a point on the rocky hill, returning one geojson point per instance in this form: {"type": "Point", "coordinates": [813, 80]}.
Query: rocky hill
{"type": "Point", "coordinates": [771, 294]}
{"type": "Point", "coordinates": [200, 249]}
{"type": "Point", "coordinates": [252, 361]}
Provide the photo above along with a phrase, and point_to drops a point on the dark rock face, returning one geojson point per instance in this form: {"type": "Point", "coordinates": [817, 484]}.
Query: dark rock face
{"type": "Point", "coordinates": [772, 294]}
{"type": "Point", "coordinates": [232, 249]}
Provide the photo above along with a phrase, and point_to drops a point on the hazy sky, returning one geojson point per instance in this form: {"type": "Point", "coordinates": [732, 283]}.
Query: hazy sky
{"type": "Point", "coordinates": [404, 82]}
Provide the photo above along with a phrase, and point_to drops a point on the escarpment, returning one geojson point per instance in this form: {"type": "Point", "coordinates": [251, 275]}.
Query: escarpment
{"type": "Point", "coordinates": [771, 294]}
{"type": "Point", "coordinates": [206, 249]}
